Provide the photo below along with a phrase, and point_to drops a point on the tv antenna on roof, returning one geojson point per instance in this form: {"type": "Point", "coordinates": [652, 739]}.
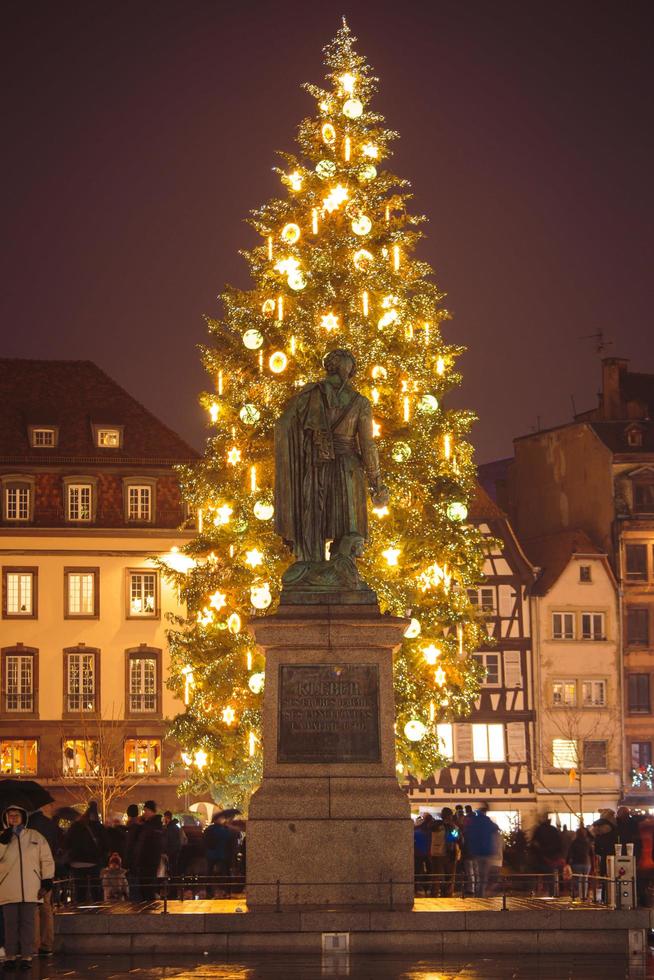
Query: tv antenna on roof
{"type": "Point", "coordinates": [601, 345]}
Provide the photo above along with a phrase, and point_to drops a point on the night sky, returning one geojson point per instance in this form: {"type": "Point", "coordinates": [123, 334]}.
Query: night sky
{"type": "Point", "coordinates": [137, 136]}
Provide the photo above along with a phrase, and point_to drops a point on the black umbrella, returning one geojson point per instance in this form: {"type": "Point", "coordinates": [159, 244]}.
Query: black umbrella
{"type": "Point", "coordinates": [24, 793]}
{"type": "Point", "coordinates": [226, 814]}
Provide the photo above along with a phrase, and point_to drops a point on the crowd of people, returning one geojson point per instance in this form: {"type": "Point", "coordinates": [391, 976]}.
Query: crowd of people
{"type": "Point", "coordinates": [464, 849]}
{"type": "Point", "coordinates": [125, 859]}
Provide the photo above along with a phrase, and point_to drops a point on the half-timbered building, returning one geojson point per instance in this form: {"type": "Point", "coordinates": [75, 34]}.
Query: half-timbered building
{"type": "Point", "coordinates": [492, 750]}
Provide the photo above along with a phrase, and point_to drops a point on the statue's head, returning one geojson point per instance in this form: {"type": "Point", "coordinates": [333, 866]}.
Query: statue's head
{"type": "Point", "coordinates": [340, 362]}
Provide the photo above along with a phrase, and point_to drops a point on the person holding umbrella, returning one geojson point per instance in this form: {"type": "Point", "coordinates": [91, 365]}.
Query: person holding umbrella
{"type": "Point", "coordinates": [26, 873]}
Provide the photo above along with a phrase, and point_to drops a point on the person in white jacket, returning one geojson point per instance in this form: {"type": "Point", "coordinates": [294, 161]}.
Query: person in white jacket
{"type": "Point", "coordinates": [26, 872]}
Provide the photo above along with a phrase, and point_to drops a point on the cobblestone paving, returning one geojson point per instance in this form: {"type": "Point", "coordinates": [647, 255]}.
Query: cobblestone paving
{"type": "Point", "coordinates": [277, 967]}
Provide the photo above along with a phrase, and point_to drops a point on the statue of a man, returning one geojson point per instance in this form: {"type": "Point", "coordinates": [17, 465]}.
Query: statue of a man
{"type": "Point", "coordinates": [324, 457]}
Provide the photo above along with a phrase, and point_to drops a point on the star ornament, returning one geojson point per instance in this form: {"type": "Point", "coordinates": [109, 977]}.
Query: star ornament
{"type": "Point", "coordinates": [234, 456]}
{"type": "Point", "coordinates": [224, 513]}
{"type": "Point", "coordinates": [253, 557]}
{"type": "Point", "coordinates": [335, 198]}
{"type": "Point", "coordinates": [217, 601]}
{"type": "Point", "coordinates": [391, 555]}
{"type": "Point", "coordinates": [228, 715]}
{"type": "Point", "coordinates": [329, 321]}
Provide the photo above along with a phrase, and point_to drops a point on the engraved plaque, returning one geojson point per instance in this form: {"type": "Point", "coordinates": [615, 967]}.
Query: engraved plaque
{"type": "Point", "coordinates": [328, 713]}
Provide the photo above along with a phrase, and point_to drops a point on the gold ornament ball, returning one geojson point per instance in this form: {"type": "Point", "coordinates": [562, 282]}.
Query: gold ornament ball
{"type": "Point", "coordinates": [353, 108]}
{"type": "Point", "coordinates": [263, 511]}
{"type": "Point", "coordinates": [290, 233]}
{"type": "Point", "coordinates": [428, 404]}
{"type": "Point", "coordinates": [325, 169]}
{"type": "Point", "coordinates": [249, 414]}
{"type": "Point", "coordinates": [413, 629]}
{"type": "Point", "coordinates": [457, 511]}
{"type": "Point", "coordinates": [260, 596]}
{"type": "Point", "coordinates": [401, 452]}
{"type": "Point", "coordinates": [369, 172]}
{"type": "Point", "coordinates": [362, 225]}
{"type": "Point", "coordinates": [256, 682]}
{"type": "Point", "coordinates": [253, 339]}
{"type": "Point", "coordinates": [414, 730]}
{"type": "Point", "coordinates": [296, 280]}
{"type": "Point", "coordinates": [268, 307]}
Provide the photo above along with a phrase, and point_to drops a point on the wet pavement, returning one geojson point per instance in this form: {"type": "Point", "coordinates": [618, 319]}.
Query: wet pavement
{"type": "Point", "coordinates": [301, 967]}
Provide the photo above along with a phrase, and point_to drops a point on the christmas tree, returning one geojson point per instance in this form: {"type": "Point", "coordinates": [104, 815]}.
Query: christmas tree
{"type": "Point", "coordinates": [334, 266]}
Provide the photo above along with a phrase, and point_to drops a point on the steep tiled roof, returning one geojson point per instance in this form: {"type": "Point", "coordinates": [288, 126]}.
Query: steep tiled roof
{"type": "Point", "coordinates": [74, 395]}
{"type": "Point", "coordinates": [614, 435]}
{"type": "Point", "coordinates": [552, 552]}
{"type": "Point", "coordinates": [482, 507]}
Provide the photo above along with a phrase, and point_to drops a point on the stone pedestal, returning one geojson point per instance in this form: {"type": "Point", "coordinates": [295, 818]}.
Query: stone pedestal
{"type": "Point", "coordinates": [329, 821]}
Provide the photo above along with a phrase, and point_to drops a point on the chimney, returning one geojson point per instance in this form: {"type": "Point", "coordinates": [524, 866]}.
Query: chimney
{"type": "Point", "coordinates": [613, 369]}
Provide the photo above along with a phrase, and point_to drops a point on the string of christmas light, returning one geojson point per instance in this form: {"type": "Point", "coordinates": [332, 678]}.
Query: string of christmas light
{"type": "Point", "coordinates": [335, 266]}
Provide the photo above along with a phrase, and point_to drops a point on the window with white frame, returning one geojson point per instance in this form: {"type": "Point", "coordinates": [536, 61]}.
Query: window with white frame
{"type": "Point", "coordinates": [488, 743]}
{"type": "Point", "coordinates": [564, 753]}
{"type": "Point", "coordinates": [19, 682]}
{"type": "Point", "coordinates": [18, 756]}
{"type": "Point", "coordinates": [142, 684]}
{"type": "Point", "coordinates": [483, 599]}
{"type": "Point", "coordinates": [563, 626]}
{"type": "Point", "coordinates": [139, 503]}
{"type": "Point", "coordinates": [80, 681]}
{"type": "Point", "coordinates": [43, 438]}
{"type": "Point", "coordinates": [80, 592]}
{"type": "Point", "coordinates": [143, 755]}
{"type": "Point", "coordinates": [593, 626]}
{"type": "Point", "coordinates": [142, 598]}
{"type": "Point", "coordinates": [19, 592]}
{"type": "Point", "coordinates": [17, 502]}
{"type": "Point", "coordinates": [79, 500]}
{"type": "Point", "coordinates": [564, 693]}
{"type": "Point", "coordinates": [593, 693]}
{"type": "Point", "coordinates": [491, 664]}
{"type": "Point", "coordinates": [108, 438]}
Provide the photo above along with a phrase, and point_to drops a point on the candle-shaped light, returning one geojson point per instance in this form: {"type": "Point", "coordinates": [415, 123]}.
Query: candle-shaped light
{"type": "Point", "coordinates": [426, 335]}
{"type": "Point", "coordinates": [270, 247]}
{"type": "Point", "coordinates": [293, 344]}
{"type": "Point", "coordinates": [200, 520]}
{"type": "Point", "coordinates": [365, 302]}
{"type": "Point", "coordinates": [347, 149]}
{"type": "Point", "coordinates": [406, 408]}
{"type": "Point", "coordinates": [396, 257]}
{"type": "Point", "coordinates": [440, 366]}
{"type": "Point", "coordinates": [280, 308]}
{"type": "Point", "coordinates": [447, 445]}
{"type": "Point", "coordinates": [220, 382]}
{"type": "Point", "coordinates": [260, 361]}
{"type": "Point", "coordinates": [252, 741]}
{"type": "Point", "coordinates": [388, 213]}
{"type": "Point", "coordinates": [248, 660]}
{"type": "Point", "coordinates": [314, 221]}
{"type": "Point", "coordinates": [253, 479]}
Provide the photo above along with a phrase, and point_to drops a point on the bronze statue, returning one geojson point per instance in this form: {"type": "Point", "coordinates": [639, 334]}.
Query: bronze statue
{"type": "Point", "coordinates": [324, 456]}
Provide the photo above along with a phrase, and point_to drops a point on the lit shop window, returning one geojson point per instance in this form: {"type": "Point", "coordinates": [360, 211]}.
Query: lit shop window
{"type": "Point", "coordinates": [80, 757]}
{"type": "Point", "coordinates": [18, 756]}
{"type": "Point", "coordinates": [564, 753]}
{"type": "Point", "coordinates": [143, 755]}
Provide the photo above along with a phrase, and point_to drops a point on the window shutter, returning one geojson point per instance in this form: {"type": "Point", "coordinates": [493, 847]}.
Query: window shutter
{"type": "Point", "coordinates": [463, 743]}
{"type": "Point", "coordinates": [512, 669]}
{"type": "Point", "coordinates": [516, 737]}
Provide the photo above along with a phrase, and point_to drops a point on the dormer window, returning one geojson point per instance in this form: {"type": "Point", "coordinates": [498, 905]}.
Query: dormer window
{"type": "Point", "coordinates": [108, 436]}
{"type": "Point", "coordinates": [43, 436]}
{"type": "Point", "coordinates": [643, 489]}
{"type": "Point", "coordinates": [634, 436]}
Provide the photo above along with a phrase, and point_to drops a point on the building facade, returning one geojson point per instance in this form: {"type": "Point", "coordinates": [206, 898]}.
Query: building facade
{"type": "Point", "coordinates": [576, 625]}
{"type": "Point", "coordinates": [492, 751]}
{"type": "Point", "coordinates": [596, 474]}
{"type": "Point", "coordinates": [89, 498]}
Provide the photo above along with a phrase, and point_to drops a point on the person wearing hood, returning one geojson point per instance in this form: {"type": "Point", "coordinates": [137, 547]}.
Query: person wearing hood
{"type": "Point", "coordinates": [148, 850]}
{"type": "Point", "coordinates": [26, 872]}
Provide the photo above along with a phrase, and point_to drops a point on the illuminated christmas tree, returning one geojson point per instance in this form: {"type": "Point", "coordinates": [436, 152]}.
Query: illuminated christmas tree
{"type": "Point", "coordinates": [334, 266]}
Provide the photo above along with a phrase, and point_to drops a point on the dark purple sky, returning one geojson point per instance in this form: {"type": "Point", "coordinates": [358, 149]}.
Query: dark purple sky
{"type": "Point", "coordinates": [137, 135]}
